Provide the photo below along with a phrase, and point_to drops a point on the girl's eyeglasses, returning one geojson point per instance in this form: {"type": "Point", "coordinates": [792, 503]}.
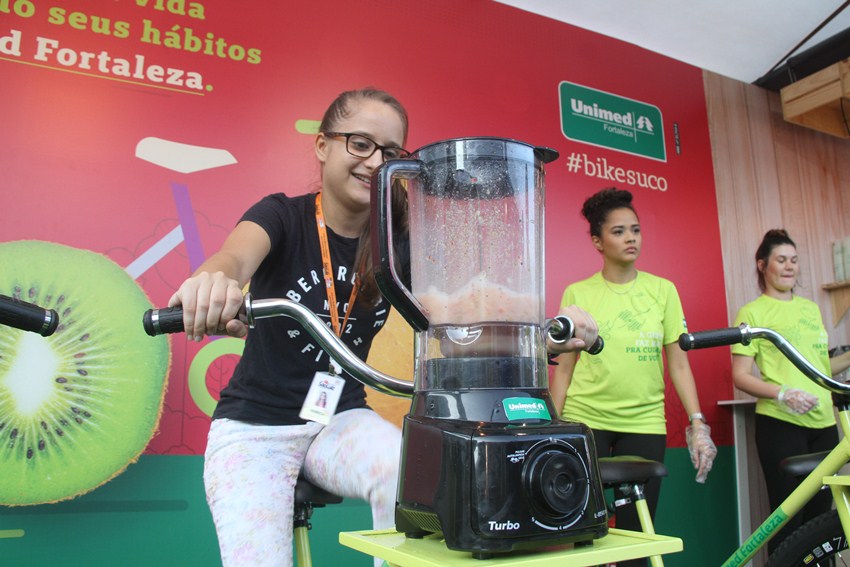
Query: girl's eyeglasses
{"type": "Point", "coordinates": [361, 146]}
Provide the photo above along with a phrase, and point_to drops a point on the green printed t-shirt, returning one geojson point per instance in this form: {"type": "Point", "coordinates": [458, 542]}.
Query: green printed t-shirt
{"type": "Point", "coordinates": [622, 388]}
{"type": "Point", "coordinates": [800, 322]}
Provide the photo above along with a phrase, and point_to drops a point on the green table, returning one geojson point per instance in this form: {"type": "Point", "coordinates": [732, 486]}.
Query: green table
{"type": "Point", "coordinates": [431, 551]}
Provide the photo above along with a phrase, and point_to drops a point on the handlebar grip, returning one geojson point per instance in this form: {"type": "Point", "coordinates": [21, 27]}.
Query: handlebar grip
{"type": "Point", "coordinates": [713, 338]}
{"type": "Point", "coordinates": [27, 316]}
{"type": "Point", "coordinates": [162, 321]}
{"type": "Point", "coordinates": [566, 332]}
{"type": "Point", "coordinates": [597, 346]}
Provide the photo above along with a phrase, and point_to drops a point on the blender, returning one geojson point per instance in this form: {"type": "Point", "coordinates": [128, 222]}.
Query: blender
{"type": "Point", "coordinates": [485, 458]}
{"type": "Point", "coordinates": [486, 461]}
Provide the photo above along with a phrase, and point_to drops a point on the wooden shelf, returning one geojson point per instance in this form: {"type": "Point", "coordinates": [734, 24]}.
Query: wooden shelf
{"type": "Point", "coordinates": [820, 101]}
{"type": "Point", "coordinates": [839, 296]}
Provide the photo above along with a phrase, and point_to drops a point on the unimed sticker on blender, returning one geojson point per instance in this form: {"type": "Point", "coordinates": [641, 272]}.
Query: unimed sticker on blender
{"type": "Point", "coordinates": [525, 408]}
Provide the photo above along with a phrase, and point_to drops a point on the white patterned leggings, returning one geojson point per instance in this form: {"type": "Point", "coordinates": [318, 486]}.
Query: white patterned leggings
{"type": "Point", "coordinates": [250, 472]}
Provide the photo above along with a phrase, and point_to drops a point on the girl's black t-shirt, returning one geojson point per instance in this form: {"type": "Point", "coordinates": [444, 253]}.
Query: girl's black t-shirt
{"type": "Point", "coordinates": [271, 381]}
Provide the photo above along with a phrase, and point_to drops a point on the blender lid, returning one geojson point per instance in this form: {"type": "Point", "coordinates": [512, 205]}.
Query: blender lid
{"type": "Point", "coordinates": [485, 146]}
{"type": "Point", "coordinates": [480, 168]}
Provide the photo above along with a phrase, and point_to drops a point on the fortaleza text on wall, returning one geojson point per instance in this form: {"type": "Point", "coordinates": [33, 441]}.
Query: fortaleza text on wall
{"type": "Point", "coordinates": [43, 50]}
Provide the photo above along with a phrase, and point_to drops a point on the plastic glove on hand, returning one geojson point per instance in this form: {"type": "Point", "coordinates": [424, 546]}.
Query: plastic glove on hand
{"type": "Point", "coordinates": [796, 401]}
{"type": "Point", "coordinates": [701, 448]}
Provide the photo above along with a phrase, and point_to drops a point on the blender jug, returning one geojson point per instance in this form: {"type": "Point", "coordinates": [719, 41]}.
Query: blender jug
{"type": "Point", "coordinates": [477, 262]}
{"type": "Point", "coordinates": [485, 459]}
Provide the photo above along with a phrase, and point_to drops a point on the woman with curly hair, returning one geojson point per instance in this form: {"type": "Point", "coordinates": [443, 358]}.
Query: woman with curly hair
{"type": "Point", "coordinates": [619, 393]}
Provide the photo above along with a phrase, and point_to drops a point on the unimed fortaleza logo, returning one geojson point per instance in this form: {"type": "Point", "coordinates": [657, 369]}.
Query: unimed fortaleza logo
{"type": "Point", "coordinates": [525, 408]}
{"type": "Point", "coordinates": [611, 121]}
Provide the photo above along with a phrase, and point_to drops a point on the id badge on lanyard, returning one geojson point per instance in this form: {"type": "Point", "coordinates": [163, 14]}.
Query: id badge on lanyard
{"type": "Point", "coordinates": [323, 397]}
{"type": "Point", "coordinates": [326, 389]}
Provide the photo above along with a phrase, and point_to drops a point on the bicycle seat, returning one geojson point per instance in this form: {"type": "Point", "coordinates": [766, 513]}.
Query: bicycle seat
{"type": "Point", "coordinates": [801, 465]}
{"type": "Point", "coordinates": [628, 469]}
{"type": "Point", "coordinates": [307, 492]}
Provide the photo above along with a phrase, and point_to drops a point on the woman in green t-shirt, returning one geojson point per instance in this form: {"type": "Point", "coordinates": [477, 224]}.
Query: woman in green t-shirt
{"type": "Point", "coordinates": [793, 415]}
{"type": "Point", "coordinates": [619, 393]}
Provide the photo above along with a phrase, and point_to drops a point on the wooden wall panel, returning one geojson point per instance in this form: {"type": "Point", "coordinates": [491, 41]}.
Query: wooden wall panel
{"type": "Point", "coordinates": [769, 174]}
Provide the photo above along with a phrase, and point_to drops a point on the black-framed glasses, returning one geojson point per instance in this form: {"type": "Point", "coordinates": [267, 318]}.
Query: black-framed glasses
{"type": "Point", "coordinates": [363, 147]}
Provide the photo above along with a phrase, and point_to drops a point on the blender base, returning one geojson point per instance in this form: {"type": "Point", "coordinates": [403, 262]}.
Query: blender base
{"type": "Point", "coordinates": [499, 487]}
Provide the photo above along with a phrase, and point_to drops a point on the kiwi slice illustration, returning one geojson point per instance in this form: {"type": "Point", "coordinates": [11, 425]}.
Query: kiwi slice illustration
{"type": "Point", "coordinates": [78, 407]}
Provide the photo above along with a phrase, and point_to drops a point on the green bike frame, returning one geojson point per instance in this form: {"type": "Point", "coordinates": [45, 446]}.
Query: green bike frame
{"type": "Point", "coordinates": [823, 474]}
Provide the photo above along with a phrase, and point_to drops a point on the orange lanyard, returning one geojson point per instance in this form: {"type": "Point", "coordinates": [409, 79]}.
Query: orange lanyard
{"type": "Point", "coordinates": [327, 268]}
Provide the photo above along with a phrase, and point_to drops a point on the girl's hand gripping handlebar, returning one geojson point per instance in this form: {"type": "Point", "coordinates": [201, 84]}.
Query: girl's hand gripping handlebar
{"type": "Point", "coordinates": [170, 320]}
{"type": "Point", "coordinates": [561, 328]}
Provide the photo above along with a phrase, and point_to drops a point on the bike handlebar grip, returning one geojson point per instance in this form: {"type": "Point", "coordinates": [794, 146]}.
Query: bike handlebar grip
{"type": "Point", "coordinates": [566, 330]}
{"type": "Point", "coordinates": [713, 338]}
{"type": "Point", "coordinates": [27, 316]}
{"type": "Point", "coordinates": [597, 346]}
{"type": "Point", "coordinates": [163, 321]}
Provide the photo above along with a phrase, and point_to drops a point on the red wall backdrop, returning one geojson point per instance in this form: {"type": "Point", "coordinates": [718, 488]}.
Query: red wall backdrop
{"type": "Point", "coordinates": [251, 71]}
